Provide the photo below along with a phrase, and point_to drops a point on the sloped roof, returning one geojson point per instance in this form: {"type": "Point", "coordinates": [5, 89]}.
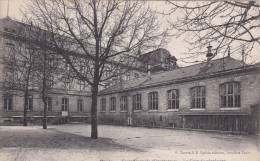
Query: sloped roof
{"type": "Point", "coordinates": [201, 69]}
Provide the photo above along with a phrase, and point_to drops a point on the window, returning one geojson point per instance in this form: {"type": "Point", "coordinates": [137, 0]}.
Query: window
{"type": "Point", "coordinates": [153, 100]}
{"type": "Point", "coordinates": [198, 99]}
{"type": "Point", "coordinates": [230, 94]}
{"type": "Point", "coordinates": [137, 102]}
{"type": "Point", "coordinates": [103, 104]}
{"type": "Point", "coordinates": [113, 104]}
{"type": "Point", "coordinates": [80, 105]}
{"type": "Point", "coordinates": [49, 104]}
{"type": "Point", "coordinates": [29, 103]}
{"type": "Point", "coordinates": [123, 103]}
{"type": "Point", "coordinates": [64, 104]}
{"type": "Point", "coordinates": [173, 99]}
{"type": "Point", "coordinates": [8, 102]}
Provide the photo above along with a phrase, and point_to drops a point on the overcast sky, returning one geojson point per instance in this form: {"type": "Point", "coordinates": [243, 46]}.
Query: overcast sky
{"type": "Point", "coordinates": [175, 46]}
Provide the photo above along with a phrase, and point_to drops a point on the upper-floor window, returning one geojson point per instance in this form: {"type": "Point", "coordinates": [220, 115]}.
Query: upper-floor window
{"type": "Point", "coordinates": [64, 104]}
{"type": "Point", "coordinates": [153, 100]}
{"type": "Point", "coordinates": [8, 102]}
{"type": "Point", "coordinates": [49, 104]}
{"type": "Point", "coordinates": [198, 97]}
{"type": "Point", "coordinates": [123, 103]}
{"type": "Point", "coordinates": [80, 105]}
{"type": "Point", "coordinates": [230, 94]}
{"type": "Point", "coordinates": [113, 104]}
{"type": "Point", "coordinates": [173, 99]}
{"type": "Point", "coordinates": [137, 99]}
{"type": "Point", "coordinates": [103, 104]}
{"type": "Point", "coordinates": [29, 103]}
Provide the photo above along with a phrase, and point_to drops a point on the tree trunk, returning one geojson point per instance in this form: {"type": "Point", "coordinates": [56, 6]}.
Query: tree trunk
{"type": "Point", "coordinates": [25, 107]}
{"type": "Point", "coordinates": [94, 130]}
{"type": "Point", "coordinates": [44, 120]}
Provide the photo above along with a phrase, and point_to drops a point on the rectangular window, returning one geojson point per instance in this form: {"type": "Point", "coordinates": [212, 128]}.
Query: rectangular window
{"type": "Point", "coordinates": [123, 103]}
{"type": "Point", "coordinates": [8, 102]}
{"type": "Point", "coordinates": [230, 95]}
{"type": "Point", "coordinates": [137, 98]}
{"type": "Point", "coordinates": [65, 104]}
{"type": "Point", "coordinates": [30, 103]}
{"type": "Point", "coordinates": [113, 104]}
{"type": "Point", "coordinates": [103, 104]}
{"type": "Point", "coordinates": [80, 105]}
{"type": "Point", "coordinates": [49, 104]}
{"type": "Point", "coordinates": [153, 100]}
{"type": "Point", "coordinates": [198, 97]}
{"type": "Point", "coordinates": [173, 99]}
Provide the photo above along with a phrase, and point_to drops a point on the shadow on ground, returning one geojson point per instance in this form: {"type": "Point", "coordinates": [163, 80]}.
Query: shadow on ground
{"type": "Point", "coordinates": [51, 138]}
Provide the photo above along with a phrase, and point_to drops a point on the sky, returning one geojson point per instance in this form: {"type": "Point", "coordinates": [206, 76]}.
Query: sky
{"type": "Point", "coordinates": [176, 46]}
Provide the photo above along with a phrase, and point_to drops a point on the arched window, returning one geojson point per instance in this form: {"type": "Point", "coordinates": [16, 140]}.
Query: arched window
{"type": "Point", "coordinates": [230, 94]}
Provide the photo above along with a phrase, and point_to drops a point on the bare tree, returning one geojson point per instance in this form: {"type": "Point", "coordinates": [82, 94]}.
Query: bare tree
{"type": "Point", "coordinates": [95, 36]}
{"type": "Point", "coordinates": [220, 23]}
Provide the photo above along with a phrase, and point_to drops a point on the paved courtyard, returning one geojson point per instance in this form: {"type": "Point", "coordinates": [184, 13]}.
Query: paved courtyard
{"type": "Point", "coordinates": [73, 143]}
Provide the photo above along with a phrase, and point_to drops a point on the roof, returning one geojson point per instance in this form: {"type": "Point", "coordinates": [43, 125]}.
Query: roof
{"type": "Point", "coordinates": [182, 73]}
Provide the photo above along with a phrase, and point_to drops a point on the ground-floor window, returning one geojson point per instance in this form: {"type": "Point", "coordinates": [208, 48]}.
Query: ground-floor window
{"type": "Point", "coordinates": [153, 100]}
{"type": "Point", "coordinates": [30, 103]}
{"type": "Point", "coordinates": [137, 98]}
{"type": "Point", "coordinates": [49, 104]}
{"type": "Point", "coordinates": [8, 102]}
{"type": "Point", "coordinates": [173, 99]}
{"type": "Point", "coordinates": [103, 104]}
{"type": "Point", "coordinates": [123, 103]}
{"type": "Point", "coordinates": [230, 94]}
{"type": "Point", "coordinates": [113, 104]}
{"type": "Point", "coordinates": [80, 105]}
{"type": "Point", "coordinates": [198, 98]}
{"type": "Point", "coordinates": [65, 104]}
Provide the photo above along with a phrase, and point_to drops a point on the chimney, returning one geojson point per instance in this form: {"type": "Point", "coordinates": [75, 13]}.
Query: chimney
{"type": "Point", "coordinates": [149, 70]}
{"type": "Point", "coordinates": [209, 54]}
{"type": "Point", "coordinates": [229, 51]}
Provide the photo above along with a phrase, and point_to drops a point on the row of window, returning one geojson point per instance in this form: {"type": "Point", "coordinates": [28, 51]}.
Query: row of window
{"type": "Point", "coordinates": [229, 98]}
{"type": "Point", "coordinates": [8, 103]}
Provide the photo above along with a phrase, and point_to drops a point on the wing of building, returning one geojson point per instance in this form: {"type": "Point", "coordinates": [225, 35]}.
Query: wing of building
{"type": "Point", "coordinates": [221, 94]}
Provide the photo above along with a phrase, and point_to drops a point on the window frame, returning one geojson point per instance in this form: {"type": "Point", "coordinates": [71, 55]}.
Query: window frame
{"type": "Point", "coordinates": [80, 105]}
{"type": "Point", "coordinates": [173, 103]}
{"type": "Point", "coordinates": [112, 107]}
{"type": "Point", "coordinates": [199, 99]}
{"type": "Point", "coordinates": [29, 100]}
{"type": "Point", "coordinates": [235, 96]}
{"type": "Point", "coordinates": [8, 102]}
{"type": "Point", "coordinates": [137, 102]}
{"type": "Point", "coordinates": [123, 103]}
{"type": "Point", "coordinates": [64, 104]}
{"type": "Point", "coordinates": [103, 102]}
{"type": "Point", "coordinates": [153, 101]}
{"type": "Point", "coordinates": [49, 104]}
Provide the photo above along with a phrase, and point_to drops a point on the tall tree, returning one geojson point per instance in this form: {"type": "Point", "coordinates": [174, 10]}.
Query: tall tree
{"type": "Point", "coordinates": [95, 36]}
{"type": "Point", "coordinates": [219, 23]}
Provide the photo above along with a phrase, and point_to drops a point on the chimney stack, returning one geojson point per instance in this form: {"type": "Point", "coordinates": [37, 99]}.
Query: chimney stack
{"type": "Point", "coordinates": [209, 54]}
{"type": "Point", "coordinates": [149, 70]}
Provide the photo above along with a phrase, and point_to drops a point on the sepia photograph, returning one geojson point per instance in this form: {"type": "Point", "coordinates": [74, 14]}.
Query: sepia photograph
{"type": "Point", "coordinates": [129, 80]}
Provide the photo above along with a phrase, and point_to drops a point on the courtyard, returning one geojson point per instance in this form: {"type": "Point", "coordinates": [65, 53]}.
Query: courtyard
{"type": "Point", "coordinates": [71, 142]}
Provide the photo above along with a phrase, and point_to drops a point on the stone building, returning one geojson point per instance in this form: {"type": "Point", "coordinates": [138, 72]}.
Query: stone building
{"type": "Point", "coordinates": [69, 99]}
{"type": "Point", "coordinates": [221, 94]}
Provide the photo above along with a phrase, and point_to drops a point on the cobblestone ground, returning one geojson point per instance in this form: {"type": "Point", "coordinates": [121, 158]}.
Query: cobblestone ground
{"type": "Point", "coordinates": [115, 143]}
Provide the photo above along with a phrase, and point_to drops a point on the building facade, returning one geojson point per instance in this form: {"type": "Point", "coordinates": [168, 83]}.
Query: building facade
{"type": "Point", "coordinates": [221, 94]}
